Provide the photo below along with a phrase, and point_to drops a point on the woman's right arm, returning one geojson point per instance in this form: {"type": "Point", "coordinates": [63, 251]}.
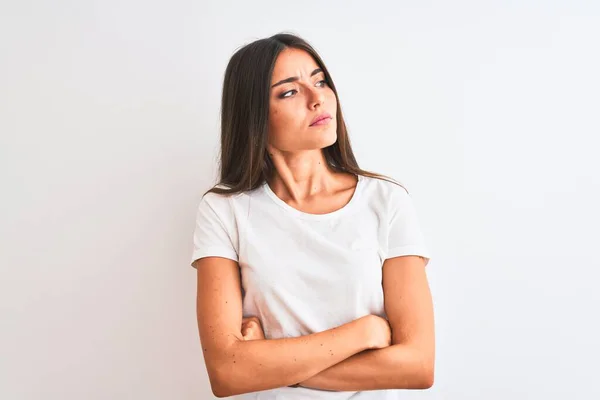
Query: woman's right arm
{"type": "Point", "coordinates": [236, 366]}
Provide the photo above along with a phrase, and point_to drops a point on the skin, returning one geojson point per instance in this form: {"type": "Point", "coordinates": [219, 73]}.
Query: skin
{"type": "Point", "coordinates": [302, 177]}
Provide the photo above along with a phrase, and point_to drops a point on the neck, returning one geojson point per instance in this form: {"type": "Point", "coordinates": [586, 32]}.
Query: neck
{"type": "Point", "coordinates": [300, 175]}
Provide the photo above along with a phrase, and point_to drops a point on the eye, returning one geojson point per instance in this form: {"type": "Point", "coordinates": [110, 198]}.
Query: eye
{"type": "Point", "coordinates": [283, 95]}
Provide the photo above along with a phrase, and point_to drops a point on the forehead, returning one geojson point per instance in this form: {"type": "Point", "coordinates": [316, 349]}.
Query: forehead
{"type": "Point", "coordinates": [293, 62]}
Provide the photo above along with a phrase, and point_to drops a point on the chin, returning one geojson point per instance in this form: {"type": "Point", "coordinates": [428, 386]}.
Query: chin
{"type": "Point", "coordinates": [324, 139]}
{"type": "Point", "coordinates": [321, 143]}
{"type": "Point", "coordinates": [326, 142]}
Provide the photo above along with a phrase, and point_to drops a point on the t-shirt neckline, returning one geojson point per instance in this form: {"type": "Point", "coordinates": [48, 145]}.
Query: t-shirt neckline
{"type": "Point", "coordinates": [305, 215]}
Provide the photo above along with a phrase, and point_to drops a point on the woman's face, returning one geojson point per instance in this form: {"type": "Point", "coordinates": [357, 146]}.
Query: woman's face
{"type": "Point", "coordinates": [294, 103]}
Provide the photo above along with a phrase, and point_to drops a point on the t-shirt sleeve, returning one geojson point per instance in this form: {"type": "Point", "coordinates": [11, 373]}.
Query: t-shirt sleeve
{"type": "Point", "coordinates": [404, 231]}
{"type": "Point", "coordinates": [214, 234]}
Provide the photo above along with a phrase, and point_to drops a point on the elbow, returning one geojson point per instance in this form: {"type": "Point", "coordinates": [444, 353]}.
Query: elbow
{"type": "Point", "coordinates": [221, 377]}
{"type": "Point", "coordinates": [426, 380]}
{"type": "Point", "coordinates": [218, 392]}
{"type": "Point", "coordinates": [218, 382]}
{"type": "Point", "coordinates": [227, 381]}
{"type": "Point", "coordinates": [216, 386]}
{"type": "Point", "coordinates": [415, 366]}
{"type": "Point", "coordinates": [417, 380]}
{"type": "Point", "coordinates": [219, 388]}
{"type": "Point", "coordinates": [222, 383]}
{"type": "Point", "coordinates": [421, 378]}
{"type": "Point", "coordinates": [417, 374]}
{"type": "Point", "coordinates": [425, 377]}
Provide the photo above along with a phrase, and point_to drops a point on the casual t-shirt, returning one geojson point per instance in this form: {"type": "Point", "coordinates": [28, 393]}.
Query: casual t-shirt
{"type": "Point", "coordinates": [303, 273]}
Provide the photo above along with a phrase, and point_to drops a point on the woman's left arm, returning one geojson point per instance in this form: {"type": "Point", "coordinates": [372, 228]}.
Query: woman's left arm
{"type": "Point", "coordinates": [409, 362]}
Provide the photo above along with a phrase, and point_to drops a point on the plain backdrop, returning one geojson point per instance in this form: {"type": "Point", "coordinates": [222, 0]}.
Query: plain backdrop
{"type": "Point", "coordinates": [488, 111]}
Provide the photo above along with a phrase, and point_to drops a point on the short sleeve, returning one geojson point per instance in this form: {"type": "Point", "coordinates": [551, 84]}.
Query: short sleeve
{"type": "Point", "coordinates": [404, 230]}
{"type": "Point", "coordinates": [214, 234]}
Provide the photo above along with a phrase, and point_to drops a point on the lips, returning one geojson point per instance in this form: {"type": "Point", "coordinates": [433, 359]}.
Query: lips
{"type": "Point", "coordinates": [320, 118]}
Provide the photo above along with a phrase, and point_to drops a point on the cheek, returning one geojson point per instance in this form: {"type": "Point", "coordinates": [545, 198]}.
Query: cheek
{"type": "Point", "coordinates": [280, 118]}
{"type": "Point", "coordinates": [274, 116]}
{"type": "Point", "coordinates": [332, 98]}
{"type": "Point", "coordinates": [276, 124]}
{"type": "Point", "coordinates": [285, 126]}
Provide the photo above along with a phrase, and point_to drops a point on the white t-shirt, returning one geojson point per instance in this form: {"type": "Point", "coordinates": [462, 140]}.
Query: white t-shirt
{"type": "Point", "coordinates": [304, 273]}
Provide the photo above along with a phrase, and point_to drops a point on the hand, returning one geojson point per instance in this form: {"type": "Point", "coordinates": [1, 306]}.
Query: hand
{"type": "Point", "coordinates": [252, 329]}
{"type": "Point", "coordinates": [379, 332]}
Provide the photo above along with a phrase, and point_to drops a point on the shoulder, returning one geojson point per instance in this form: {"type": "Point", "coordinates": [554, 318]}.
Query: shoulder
{"type": "Point", "coordinates": [225, 203]}
{"type": "Point", "coordinates": [387, 196]}
{"type": "Point", "coordinates": [385, 188]}
{"type": "Point", "coordinates": [212, 199]}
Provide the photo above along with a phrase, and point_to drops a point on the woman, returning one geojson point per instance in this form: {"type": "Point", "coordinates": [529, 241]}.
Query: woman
{"type": "Point", "coordinates": [311, 271]}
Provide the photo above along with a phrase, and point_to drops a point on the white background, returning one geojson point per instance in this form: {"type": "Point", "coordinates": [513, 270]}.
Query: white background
{"type": "Point", "coordinates": [488, 111]}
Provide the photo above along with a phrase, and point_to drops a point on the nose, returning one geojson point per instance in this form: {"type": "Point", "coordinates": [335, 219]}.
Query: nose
{"type": "Point", "coordinates": [317, 97]}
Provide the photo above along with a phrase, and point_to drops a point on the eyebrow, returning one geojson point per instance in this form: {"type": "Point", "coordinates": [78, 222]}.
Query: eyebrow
{"type": "Point", "coordinates": [295, 78]}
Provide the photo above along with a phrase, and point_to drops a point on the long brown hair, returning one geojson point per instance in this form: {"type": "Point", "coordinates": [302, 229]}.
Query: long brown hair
{"type": "Point", "coordinates": [244, 160]}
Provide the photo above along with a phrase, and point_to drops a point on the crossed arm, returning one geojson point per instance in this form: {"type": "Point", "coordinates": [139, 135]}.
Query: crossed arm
{"type": "Point", "coordinates": [409, 362]}
{"type": "Point", "coordinates": [231, 360]}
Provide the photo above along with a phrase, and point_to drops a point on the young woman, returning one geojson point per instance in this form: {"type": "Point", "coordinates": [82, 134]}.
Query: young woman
{"type": "Point", "coordinates": [311, 271]}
